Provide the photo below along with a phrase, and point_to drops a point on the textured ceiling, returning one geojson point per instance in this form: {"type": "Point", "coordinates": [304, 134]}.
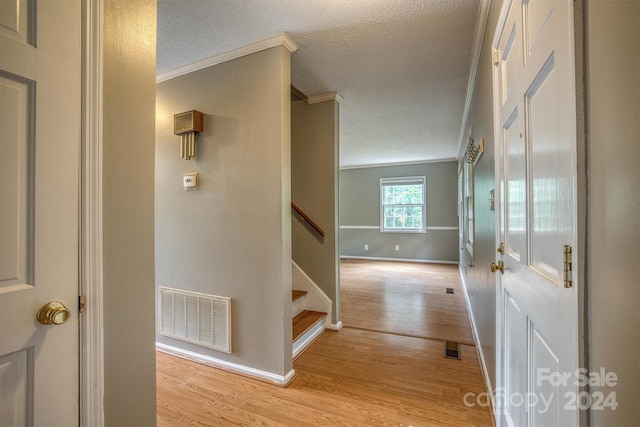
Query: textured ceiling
{"type": "Point", "coordinates": [401, 66]}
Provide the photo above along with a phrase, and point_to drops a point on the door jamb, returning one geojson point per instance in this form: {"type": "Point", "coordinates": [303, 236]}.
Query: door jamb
{"type": "Point", "coordinates": [91, 367]}
{"type": "Point", "coordinates": [497, 130]}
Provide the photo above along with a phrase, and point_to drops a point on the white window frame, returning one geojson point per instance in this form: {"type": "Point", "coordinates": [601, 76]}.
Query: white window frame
{"type": "Point", "coordinates": [461, 204]}
{"type": "Point", "coordinates": [408, 180]}
{"type": "Point", "coordinates": [469, 207]}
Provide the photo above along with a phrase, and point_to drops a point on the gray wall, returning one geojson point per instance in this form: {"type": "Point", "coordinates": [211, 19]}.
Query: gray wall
{"type": "Point", "coordinates": [360, 206]}
{"type": "Point", "coordinates": [232, 237]}
{"type": "Point", "coordinates": [479, 281]}
{"type": "Point", "coordinates": [613, 150]}
{"type": "Point", "coordinates": [129, 67]}
{"type": "Point", "coordinates": [314, 189]}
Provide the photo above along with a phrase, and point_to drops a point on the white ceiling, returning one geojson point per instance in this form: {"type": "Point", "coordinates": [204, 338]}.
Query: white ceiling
{"type": "Point", "coordinates": [401, 66]}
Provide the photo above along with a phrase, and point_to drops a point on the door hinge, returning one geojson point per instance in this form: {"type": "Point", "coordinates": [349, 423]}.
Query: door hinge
{"type": "Point", "coordinates": [568, 261]}
{"type": "Point", "coordinates": [496, 57]}
{"type": "Point", "coordinates": [82, 303]}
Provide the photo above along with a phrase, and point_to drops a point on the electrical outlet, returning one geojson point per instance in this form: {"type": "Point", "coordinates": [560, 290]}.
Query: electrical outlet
{"type": "Point", "coordinates": [397, 247]}
{"type": "Point", "coordinates": [366, 247]}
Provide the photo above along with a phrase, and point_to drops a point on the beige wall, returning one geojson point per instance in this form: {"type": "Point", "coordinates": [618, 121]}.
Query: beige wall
{"type": "Point", "coordinates": [314, 189]}
{"type": "Point", "coordinates": [613, 150]}
{"type": "Point", "coordinates": [129, 61]}
{"type": "Point", "coordinates": [231, 237]}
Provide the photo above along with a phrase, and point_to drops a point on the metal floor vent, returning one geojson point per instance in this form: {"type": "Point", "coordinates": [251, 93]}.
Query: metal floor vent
{"type": "Point", "coordinates": [196, 318]}
{"type": "Point", "coordinates": [452, 350]}
{"type": "Point", "coordinates": [449, 291]}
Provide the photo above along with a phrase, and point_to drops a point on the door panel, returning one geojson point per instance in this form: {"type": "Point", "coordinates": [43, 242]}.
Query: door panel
{"type": "Point", "coordinates": [516, 208]}
{"type": "Point", "coordinates": [543, 358]}
{"type": "Point", "coordinates": [536, 169]}
{"type": "Point", "coordinates": [537, 15]}
{"type": "Point", "coordinates": [40, 93]}
{"type": "Point", "coordinates": [15, 22]}
{"type": "Point", "coordinates": [16, 406]}
{"type": "Point", "coordinates": [16, 145]}
{"type": "Point", "coordinates": [547, 235]}
{"type": "Point", "coordinates": [509, 65]}
{"type": "Point", "coordinates": [516, 372]}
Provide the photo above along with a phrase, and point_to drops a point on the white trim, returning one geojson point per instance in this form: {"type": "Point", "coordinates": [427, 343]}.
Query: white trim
{"type": "Point", "coordinates": [384, 165]}
{"type": "Point", "coordinates": [281, 380]}
{"type": "Point", "coordinates": [91, 322]}
{"type": "Point", "coordinates": [422, 261]}
{"type": "Point", "coordinates": [498, 147]}
{"type": "Point", "coordinates": [315, 299]}
{"type": "Point", "coordinates": [377, 227]}
{"type": "Point", "coordinates": [279, 40]}
{"type": "Point", "coordinates": [331, 96]}
{"type": "Point", "coordinates": [308, 338]}
{"type": "Point", "coordinates": [478, 345]}
{"type": "Point", "coordinates": [502, 21]}
{"type": "Point", "coordinates": [403, 181]}
{"type": "Point", "coordinates": [481, 24]}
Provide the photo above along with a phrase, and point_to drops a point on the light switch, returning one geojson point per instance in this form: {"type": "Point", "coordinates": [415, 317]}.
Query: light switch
{"type": "Point", "coordinates": [190, 181]}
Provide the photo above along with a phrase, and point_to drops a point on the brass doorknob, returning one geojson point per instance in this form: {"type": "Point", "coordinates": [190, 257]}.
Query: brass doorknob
{"type": "Point", "coordinates": [499, 266]}
{"type": "Point", "coordinates": [53, 313]}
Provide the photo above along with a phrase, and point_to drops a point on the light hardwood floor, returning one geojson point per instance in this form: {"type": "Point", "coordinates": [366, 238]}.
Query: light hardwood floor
{"type": "Point", "coordinates": [404, 298]}
{"type": "Point", "coordinates": [355, 377]}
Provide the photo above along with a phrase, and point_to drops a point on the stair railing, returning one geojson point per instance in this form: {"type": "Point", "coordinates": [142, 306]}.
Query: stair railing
{"type": "Point", "coordinates": [304, 217]}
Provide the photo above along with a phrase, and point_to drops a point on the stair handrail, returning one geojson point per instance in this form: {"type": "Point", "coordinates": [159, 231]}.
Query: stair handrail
{"type": "Point", "coordinates": [304, 217]}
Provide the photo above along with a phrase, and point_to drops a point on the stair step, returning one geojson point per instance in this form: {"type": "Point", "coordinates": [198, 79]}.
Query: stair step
{"type": "Point", "coordinates": [305, 321]}
{"type": "Point", "coordinates": [295, 294]}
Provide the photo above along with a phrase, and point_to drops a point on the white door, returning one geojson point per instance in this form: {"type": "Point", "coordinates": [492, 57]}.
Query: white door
{"type": "Point", "coordinates": [40, 77]}
{"type": "Point", "coordinates": [534, 78]}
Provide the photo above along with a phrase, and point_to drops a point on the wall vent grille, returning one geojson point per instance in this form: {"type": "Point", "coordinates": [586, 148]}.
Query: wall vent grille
{"type": "Point", "coordinates": [196, 318]}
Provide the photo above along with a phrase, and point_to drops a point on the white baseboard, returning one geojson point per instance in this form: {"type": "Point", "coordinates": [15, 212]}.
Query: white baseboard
{"type": "Point", "coordinates": [424, 261]}
{"type": "Point", "coordinates": [281, 380]}
{"type": "Point", "coordinates": [476, 340]}
{"type": "Point", "coordinates": [307, 338]}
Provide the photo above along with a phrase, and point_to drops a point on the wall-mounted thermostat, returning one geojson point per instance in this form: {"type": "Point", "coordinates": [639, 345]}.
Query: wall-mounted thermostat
{"type": "Point", "coordinates": [190, 181]}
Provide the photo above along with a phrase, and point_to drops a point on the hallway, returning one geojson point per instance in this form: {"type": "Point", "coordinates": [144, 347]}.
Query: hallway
{"type": "Point", "coordinates": [355, 377]}
{"type": "Point", "coordinates": [405, 298]}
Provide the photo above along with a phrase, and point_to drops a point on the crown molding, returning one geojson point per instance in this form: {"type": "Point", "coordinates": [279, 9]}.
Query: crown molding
{"type": "Point", "coordinates": [279, 40]}
{"type": "Point", "coordinates": [481, 24]}
{"type": "Point", "coordinates": [331, 96]}
{"type": "Point", "coordinates": [382, 165]}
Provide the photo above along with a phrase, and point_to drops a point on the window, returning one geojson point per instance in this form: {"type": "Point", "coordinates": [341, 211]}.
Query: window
{"type": "Point", "coordinates": [402, 205]}
{"type": "Point", "coordinates": [468, 207]}
{"type": "Point", "coordinates": [461, 204]}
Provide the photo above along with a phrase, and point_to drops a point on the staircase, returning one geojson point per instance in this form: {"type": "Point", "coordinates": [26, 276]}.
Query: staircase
{"type": "Point", "coordinates": [307, 324]}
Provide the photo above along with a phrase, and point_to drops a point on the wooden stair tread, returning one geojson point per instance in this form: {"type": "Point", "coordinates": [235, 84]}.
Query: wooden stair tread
{"type": "Point", "coordinates": [295, 294]}
{"type": "Point", "coordinates": [304, 321]}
